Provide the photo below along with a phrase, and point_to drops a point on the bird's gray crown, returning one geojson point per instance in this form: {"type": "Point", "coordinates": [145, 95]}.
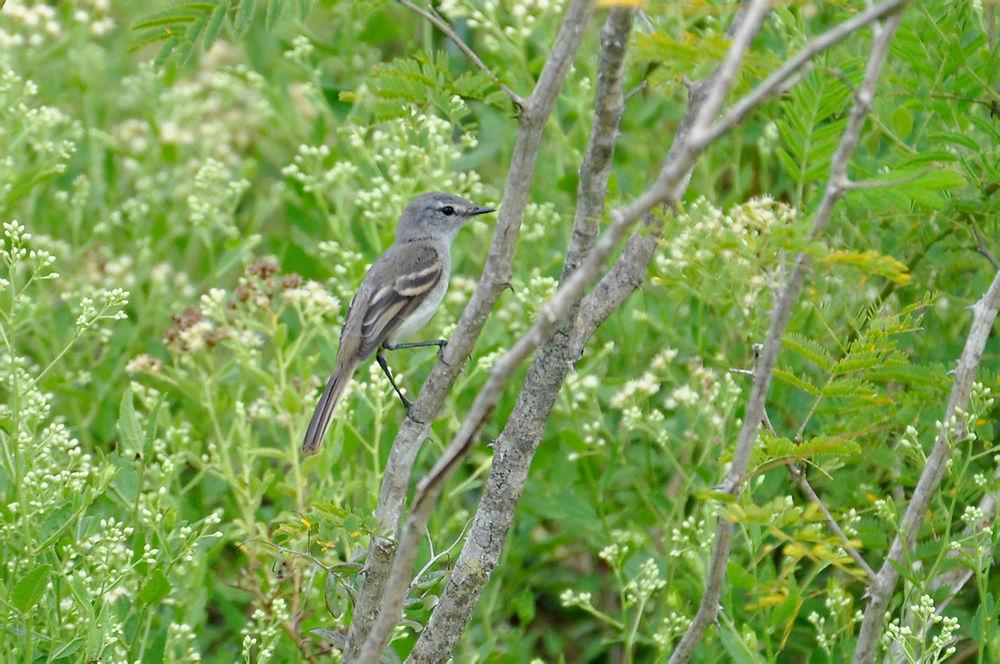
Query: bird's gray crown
{"type": "Point", "coordinates": [436, 215]}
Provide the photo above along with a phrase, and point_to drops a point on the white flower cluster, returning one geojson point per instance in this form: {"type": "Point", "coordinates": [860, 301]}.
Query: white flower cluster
{"type": "Point", "coordinates": [914, 639]}
{"type": "Point", "coordinates": [674, 625]}
{"type": "Point", "coordinates": [18, 252]}
{"type": "Point", "coordinates": [308, 169]}
{"type": "Point", "coordinates": [99, 307]}
{"type": "Point", "coordinates": [540, 221]}
{"type": "Point", "coordinates": [35, 24]}
{"type": "Point", "coordinates": [217, 113]}
{"type": "Point", "coordinates": [823, 639]}
{"type": "Point", "coordinates": [518, 312]}
{"type": "Point", "coordinates": [736, 250]}
{"type": "Point", "coordinates": [570, 599]}
{"type": "Point", "coordinates": [302, 48]}
{"type": "Point", "coordinates": [262, 634]}
{"type": "Point", "coordinates": [181, 637]}
{"type": "Point", "coordinates": [411, 154]}
{"type": "Point", "coordinates": [312, 300]}
{"type": "Point", "coordinates": [214, 197]}
{"type": "Point", "coordinates": [691, 538]}
{"type": "Point", "coordinates": [710, 393]}
{"type": "Point", "coordinates": [513, 20]}
{"type": "Point", "coordinates": [32, 136]}
{"type": "Point", "coordinates": [645, 584]}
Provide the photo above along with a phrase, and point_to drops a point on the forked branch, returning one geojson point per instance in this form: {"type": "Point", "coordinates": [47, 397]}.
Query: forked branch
{"type": "Point", "coordinates": [764, 369]}
{"type": "Point", "coordinates": [438, 22]}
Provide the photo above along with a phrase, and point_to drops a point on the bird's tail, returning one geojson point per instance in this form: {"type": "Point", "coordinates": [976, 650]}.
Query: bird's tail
{"type": "Point", "coordinates": [320, 421]}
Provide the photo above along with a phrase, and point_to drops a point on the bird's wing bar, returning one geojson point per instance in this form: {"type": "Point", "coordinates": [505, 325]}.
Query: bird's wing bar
{"type": "Point", "coordinates": [390, 305]}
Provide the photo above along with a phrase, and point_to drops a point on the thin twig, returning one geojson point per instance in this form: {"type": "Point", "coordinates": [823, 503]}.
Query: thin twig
{"type": "Point", "coordinates": [984, 314]}
{"type": "Point", "coordinates": [982, 247]}
{"type": "Point", "coordinates": [630, 269]}
{"type": "Point", "coordinates": [639, 89]}
{"type": "Point", "coordinates": [803, 483]}
{"type": "Point", "coordinates": [763, 373]}
{"type": "Point", "coordinates": [888, 184]}
{"type": "Point", "coordinates": [775, 82]}
{"type": "Point", "coordinates": [806, 488]}
{"type": "Point", "coordinates": [443, 26]}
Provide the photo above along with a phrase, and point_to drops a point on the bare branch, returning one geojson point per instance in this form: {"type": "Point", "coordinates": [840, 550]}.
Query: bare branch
{"type": "Point", "coordinates": [443, 26]}
{"type": "Point", "coordinates": [984, 314]}
{"type": "Point", "coordinates": [524, 428]}
{"type": "Point", "coordinates": [496, 275]}
{"type": "Point", "coordinates": [982, 247]}
{"type": "Point", "coordinates": [806, 488]}
{"type": "Point", "coordinates": [776, 81]}
{"type": "Point", "coordinates": [763, 372]}
{"type": "Point", "coordinates": [800, 480]}
{"type": "Point", "coordinates": [630, 268]}
{"type": "Point", "coordinates": [639, 89]}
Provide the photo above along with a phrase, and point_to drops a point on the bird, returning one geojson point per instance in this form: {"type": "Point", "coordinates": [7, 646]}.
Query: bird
{"type": "Point", "coordinates": [398, 296]}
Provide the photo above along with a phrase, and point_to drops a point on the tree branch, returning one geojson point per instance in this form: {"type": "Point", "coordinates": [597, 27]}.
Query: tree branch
{"type": "Point", "coordinates": [524, 428]}
{"type": "Point", "coordinates": [806, 488]}
{"type": "Point", "coordinates": [496, 276]}
{"type": "Point", "coordinates": [443, 26]}
{"type": "Point", "coordinates": [630, 269]}
{"type": "Point", "coordinates": [982, 247]}
{"type": "Point", "coordinates": [776, 81]}
{"type": "Point", "coordinates": [763, 372]}
{"type": "Point", "coordinates": [800, 480]}
{"type": "Point", "coordinates": [667, 188]}
{"type": "Point", "coordinates": [984, 314]}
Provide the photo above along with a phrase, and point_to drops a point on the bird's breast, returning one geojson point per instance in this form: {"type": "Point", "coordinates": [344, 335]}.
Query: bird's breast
{"type": "Point", "coordinates": [422, 314]}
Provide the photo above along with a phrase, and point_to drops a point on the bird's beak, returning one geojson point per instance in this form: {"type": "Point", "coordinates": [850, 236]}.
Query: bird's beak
{"type": "Point", "coordinates": [479, 209]}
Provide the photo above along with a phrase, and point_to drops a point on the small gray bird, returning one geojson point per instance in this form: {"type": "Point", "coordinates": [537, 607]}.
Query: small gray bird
{"type": "Point", "coordinates": [399, 295]}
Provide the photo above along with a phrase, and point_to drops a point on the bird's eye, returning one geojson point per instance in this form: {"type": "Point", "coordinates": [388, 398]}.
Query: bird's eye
{"type": "Point", "coordinates": [447, 210]}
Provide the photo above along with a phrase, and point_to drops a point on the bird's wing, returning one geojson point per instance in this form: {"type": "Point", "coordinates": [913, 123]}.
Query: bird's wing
{"type": "Point", "coordinates": [418, 268]}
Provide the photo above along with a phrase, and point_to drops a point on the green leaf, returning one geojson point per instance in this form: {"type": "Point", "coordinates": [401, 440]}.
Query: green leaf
{"type": "Point", "coordinates": [28, 590]}
{"type": "Point", "coordinates": [128, 424]}
{"type": "Point", "coordinates": [849, 387]}
{"type": "Point", "coordinates": [244, 13]}
{"type": "Point", "coordinates": [273, 13]}
{"type": "Point", "coordinates": [737, 648]}
{"type": "Point", "coordinates": [156, 588]}
{"type": "Point", "coordinates": [827, 446]}
{"type": "Point", "coordinates": [809, 349]}
{"type": "Point", "coordinates": [54, 522]}
{"type": "Point", "coordinates": [164, 21]}
{"type": "Point", "coordinates": [902, 121]}
{"type": "Point", "coordinates": [158, 645]}
{"type": "Point", "coordinates": [126, 481]}
{"type": "Point", "coordinates": [796, 381]}
{"type": "Point", "coordinates": [214, 26]}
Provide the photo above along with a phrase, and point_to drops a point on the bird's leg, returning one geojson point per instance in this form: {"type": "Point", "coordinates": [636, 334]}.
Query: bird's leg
{"type": "Point", "coordinates": [440, 343]}
{"type": "Point", "coordinates": [380, 358]}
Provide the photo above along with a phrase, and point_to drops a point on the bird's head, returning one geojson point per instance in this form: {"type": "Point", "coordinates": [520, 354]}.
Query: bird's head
{"type": "Point", "coordinates": [436, 215]}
